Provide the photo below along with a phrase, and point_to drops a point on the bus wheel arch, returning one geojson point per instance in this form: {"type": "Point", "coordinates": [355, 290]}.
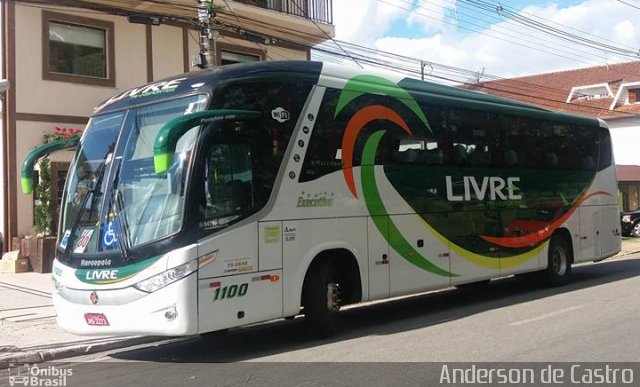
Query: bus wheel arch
{"type": "Point", "coordinates": [331, 281]}
{"type": "Point", "coordinates": [560, 257]}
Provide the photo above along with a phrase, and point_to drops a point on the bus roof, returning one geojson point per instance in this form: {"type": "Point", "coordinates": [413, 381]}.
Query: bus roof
{"type": "Point", "coordinates": [206, 81]}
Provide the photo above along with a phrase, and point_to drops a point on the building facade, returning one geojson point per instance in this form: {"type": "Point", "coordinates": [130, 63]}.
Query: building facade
{"type": "Point", "coordinates": [64, 57]}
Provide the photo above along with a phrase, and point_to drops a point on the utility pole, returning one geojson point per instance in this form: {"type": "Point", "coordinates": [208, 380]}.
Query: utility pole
{"type": "Point", "coordinates": [206, 13]}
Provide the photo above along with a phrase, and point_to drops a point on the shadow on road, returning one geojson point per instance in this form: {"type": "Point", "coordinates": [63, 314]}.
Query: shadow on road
{"type": "Point", "coordinates": [380, 319]}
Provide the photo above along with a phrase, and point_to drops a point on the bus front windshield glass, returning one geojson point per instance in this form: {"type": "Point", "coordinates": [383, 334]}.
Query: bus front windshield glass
{"type": "Point", "coordinates": [114, 197]}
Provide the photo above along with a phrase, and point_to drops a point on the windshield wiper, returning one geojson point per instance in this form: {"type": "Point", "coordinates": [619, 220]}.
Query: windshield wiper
{"type": "Point", "coordinates": [122, 237]}
{"type": "Point", "coordinates": [93, 193]}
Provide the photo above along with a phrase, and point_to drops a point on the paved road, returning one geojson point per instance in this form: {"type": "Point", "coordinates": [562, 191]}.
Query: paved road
{"type": "Point", "coordinates": [595, 318]}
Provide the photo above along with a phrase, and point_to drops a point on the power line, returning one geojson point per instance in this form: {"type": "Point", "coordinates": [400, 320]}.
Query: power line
{"type": "Point", "coordinates": [630, 5]}
{"type": "Point", "coordinates": [457, 72]}
{"type": "Point", "coordinates": [498, 13]}
{"type": "Point", "coordinates": [509, 38]}
{"type": "Point", "coordinates": [327, 35]}
{"type": "Point", "coordinates": [401, 63]}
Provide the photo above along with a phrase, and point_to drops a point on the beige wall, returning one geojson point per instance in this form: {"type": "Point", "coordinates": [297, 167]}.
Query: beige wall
{"type": "Point", "coordinates": [167, 52]}
{"type": "Point", "coordinates": [272, 52]}
{"type": "Point", "coordinates": [35, 95]}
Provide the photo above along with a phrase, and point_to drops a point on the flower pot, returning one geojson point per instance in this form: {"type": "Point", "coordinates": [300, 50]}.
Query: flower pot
{"type": "Point", "coordinates": [42, 251]}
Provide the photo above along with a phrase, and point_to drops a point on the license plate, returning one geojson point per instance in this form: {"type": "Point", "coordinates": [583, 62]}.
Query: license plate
{"type": "Point", "coordinates": [96, 319]}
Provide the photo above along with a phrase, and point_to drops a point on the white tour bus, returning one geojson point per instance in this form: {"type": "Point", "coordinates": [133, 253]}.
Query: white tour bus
{"type": "Point", "coordinates": [259, 191]}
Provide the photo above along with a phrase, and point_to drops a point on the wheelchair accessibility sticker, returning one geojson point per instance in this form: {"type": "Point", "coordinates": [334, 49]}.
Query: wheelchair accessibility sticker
{"type": "Point", "coordinates": [109, 238]}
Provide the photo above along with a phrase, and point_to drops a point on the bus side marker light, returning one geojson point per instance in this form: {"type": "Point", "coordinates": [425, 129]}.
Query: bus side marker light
{"type": "Point", "coordinates": [207, 259]}
{"type": "Point", "coordinates": [266, 277]}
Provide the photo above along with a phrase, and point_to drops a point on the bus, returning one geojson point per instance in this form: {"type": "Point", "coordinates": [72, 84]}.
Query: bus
{"type": "Point", "coordinates": [254, 192]}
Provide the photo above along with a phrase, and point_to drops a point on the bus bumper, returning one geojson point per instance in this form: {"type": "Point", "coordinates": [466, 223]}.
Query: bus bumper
{"type": "Point", "coordinates": [170, 311]}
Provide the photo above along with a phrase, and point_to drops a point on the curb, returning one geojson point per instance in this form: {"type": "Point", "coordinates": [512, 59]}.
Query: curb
{"type": "Point", "coordinates": [625, 253]}
{"type": "Point", "coordinates": [49, 354]}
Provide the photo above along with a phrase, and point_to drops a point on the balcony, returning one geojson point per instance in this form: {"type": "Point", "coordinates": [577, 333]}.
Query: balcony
{"type": "Point", "coordinates": [306, 22]}
{"type": "Point", "coordinates": [316, 10]}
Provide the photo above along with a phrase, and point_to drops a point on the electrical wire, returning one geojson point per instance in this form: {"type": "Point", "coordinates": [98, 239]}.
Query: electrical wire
{"type": "Point", "coordinates": [630, 5]}
{"type": "Point", "coordinates": [447, 73]}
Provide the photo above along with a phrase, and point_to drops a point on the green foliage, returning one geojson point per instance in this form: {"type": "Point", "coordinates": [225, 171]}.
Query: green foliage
{"type": "Point", "coordinates": [43, 213]}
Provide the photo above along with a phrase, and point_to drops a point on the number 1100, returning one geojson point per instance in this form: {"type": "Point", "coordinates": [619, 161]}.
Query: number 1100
{"type": "Point", "coordinates": [230, 292]}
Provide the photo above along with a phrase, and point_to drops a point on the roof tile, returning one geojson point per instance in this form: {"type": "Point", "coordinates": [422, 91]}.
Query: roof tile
{"type": "Point", "coordinates": [550, 90]}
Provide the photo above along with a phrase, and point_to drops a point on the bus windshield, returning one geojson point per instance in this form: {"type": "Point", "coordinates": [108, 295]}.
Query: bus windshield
{"type": "Point", "coordinates": [113, 192]}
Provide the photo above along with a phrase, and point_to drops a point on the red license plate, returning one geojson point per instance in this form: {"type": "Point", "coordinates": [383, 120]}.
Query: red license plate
{"type": "Point", "coordinates": [96, 319]}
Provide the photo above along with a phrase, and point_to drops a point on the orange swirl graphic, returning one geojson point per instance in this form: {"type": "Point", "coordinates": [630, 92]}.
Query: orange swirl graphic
{"type": "Point", "coordinates": [542, 234]}
{"type": "Point", "coordinates": [355, 125]}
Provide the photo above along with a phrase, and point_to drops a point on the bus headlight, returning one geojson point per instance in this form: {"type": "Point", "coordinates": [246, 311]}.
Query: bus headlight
{"type": "Point", "coordinates": [626, 218]}
{"type": "Point", "coordinates": [165, 278]}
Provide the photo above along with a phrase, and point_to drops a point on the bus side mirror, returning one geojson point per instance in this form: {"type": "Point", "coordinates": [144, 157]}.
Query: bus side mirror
{"type": "Point", "coordinates": [26, 173]}
{"type": "Point", "coordinates": [164, 146]}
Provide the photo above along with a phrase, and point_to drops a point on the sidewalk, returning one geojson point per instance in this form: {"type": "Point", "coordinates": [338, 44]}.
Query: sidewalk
{"type": "Point", "coordinates": [630, 245]}
{"type": "Point", "coordinates": [28, 329]}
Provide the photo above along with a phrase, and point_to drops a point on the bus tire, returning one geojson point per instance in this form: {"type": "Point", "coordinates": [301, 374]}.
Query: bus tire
{"type": "Point", "coordinates": [559, 264]}
{"type": "Point", "coordinates": [321, 301]}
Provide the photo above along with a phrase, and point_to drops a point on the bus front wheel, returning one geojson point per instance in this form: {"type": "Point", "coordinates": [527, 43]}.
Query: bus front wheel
{"type": "Point", "coordinates": [559, 267]}
{"type": "Point", "coordinates": [322, 300]}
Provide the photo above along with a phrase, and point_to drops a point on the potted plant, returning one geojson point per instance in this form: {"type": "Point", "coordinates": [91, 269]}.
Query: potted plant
{"type": "Point", "coordinates": [42, 247]}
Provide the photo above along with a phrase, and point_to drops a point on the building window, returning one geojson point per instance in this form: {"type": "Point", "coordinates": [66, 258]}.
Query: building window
{"type": "Point", "coordinates": [634, 95]}
{"type": "Point", "coordinates": [77, 49]}
{"type": "Point", "coordinates": [228, 54]}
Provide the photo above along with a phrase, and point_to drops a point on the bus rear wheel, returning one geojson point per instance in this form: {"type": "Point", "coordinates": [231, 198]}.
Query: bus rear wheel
{"type": "Point", "coordinates": [322, 301]}
{"type": "Point", "coordinates": [559, 265]}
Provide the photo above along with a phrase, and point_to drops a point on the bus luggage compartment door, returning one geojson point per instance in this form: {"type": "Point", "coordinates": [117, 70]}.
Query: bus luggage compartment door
{"type": "Point", "coordinates": [419, 260]}
{"type": "Point", "coordinates": [237, 300]}
{"type": "Point", "coordinates": [378, 258]}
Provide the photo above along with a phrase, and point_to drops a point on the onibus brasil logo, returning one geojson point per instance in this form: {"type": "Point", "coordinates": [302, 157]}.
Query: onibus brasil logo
{"type": "Point", "coordinates": [364, 84]}
{"type": "Point", "coordinates": [38, 375]}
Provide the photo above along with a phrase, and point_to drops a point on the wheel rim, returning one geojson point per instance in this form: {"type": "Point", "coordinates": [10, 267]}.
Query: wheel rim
{"type": "Point", "coordinates": [333, 297]}
{"type": "Point", "coordinates": [636, 230]}
{"type": "Point", "coordinates": [559, 261]}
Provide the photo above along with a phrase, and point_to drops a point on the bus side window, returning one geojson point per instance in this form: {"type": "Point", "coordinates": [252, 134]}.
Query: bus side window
{"type": "Point", "coordinates": [604, 144]}
{"type": "Point", "coordinates": [472, 134]}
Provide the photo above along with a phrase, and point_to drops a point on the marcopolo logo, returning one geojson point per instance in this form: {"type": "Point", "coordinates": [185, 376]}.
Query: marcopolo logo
{"type": "Point", "coordinates": [106, 276]}
{"type": "Point", "coordinates": [490, 187]}
{"type": "Point", "coordinates": [35, 375]}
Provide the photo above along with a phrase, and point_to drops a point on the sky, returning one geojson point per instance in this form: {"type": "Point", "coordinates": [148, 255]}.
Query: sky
{"type": "Point", "coordinates": [492, 37]}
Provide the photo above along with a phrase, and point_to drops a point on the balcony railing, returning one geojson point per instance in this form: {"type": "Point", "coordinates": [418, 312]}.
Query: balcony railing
{"type": "Point", "coordinates": [318, 10]}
